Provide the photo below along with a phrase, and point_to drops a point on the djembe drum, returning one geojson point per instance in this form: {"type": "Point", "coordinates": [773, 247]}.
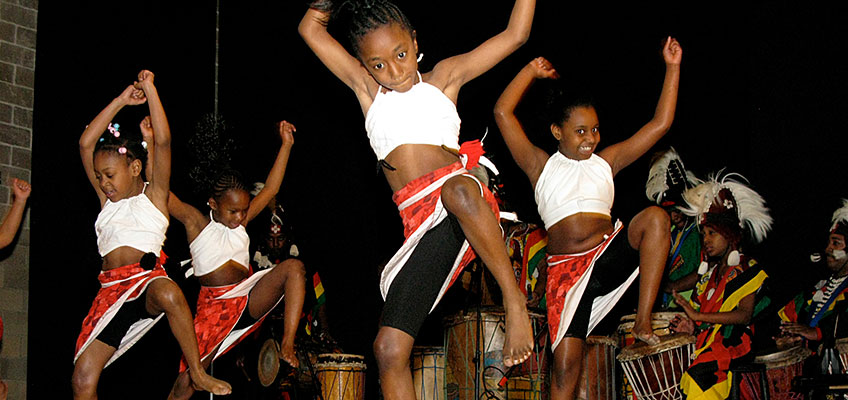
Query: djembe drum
{"type": "Point", "coordinates": [654, 372]}
{"type": "Point", "coordinates": [428, 372]}
{"type": "Point", "coordinates": [781, 368]}
{"type": "Point", "coordinates": [659, 323]}
{"type": "Point", "coordinates": [597, 377]}
{"type": "Point", "coordinates": [475, 377]}
{"type": "Point", "coordinates": [342, 376]}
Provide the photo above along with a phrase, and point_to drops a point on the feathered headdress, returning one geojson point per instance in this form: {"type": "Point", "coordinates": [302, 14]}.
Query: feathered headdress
{"type": "Point", "coordinates": [729, 206]}
{"type": "Point", "coordinates": [839, 220]}
{"type": "Point", "coordinates": [668, 179]}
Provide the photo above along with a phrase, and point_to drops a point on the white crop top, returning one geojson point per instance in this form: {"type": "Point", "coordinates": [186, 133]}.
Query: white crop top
{"type": "Point", "coordinates": [133, 222]}
{"type": "Point", "coordinates": [421, 115]}
{"type": "Point", "coordinates": [216, 244]}
{"type": "Point", "coordinates": [567, 187]}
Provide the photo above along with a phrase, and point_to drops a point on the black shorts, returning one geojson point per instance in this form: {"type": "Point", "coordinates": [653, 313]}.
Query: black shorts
{"type": "Point", "coordinates": [130, 313]}
{"type": "Point", "coordinates": [611, 270]}
{"type": "Point", "coordinates": [417, 284]}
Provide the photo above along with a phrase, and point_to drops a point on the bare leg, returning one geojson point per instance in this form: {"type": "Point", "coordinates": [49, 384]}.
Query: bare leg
{"type": "Point", "coordinates": [87, 369]}
{"type": "Point", "coordinates": [461, 197]}
{"type": "Point", "coordinates": [649, 232]}
{"type": "Point", "coordinates": [287, 278]}
{"type": "Point", "coordinates": [568, 361]}
{"type": "Point", "coordinates": [163, 295]}
{"type": "Point", "coordinates": [392, 349]}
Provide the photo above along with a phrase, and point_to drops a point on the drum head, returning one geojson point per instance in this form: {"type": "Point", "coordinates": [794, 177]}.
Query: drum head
{"type": "Point", "coordinates": [780, 359]}
{"type": "Point", "coordinates": [641, 349]}
{"type": "Point", "coordinates": [268, 364]}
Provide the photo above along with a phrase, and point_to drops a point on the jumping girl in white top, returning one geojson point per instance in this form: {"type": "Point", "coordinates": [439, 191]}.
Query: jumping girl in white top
{"type": "Point", "coordinates": [130, 233]}
{"type": "Point", "coordinates": [588, 270]}
{"type": "Point", "coordinates": [413, 126]}
{"type": "Point", "coordinates": [232, 301]}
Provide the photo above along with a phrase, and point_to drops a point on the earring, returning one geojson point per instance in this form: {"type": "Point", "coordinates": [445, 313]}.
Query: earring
{"type": "Point", "coordinates": [420, 56]}
{"type": "Point", "coordinates": [733, 258]}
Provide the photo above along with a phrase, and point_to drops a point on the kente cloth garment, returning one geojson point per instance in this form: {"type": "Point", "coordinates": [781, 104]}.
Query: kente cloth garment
{"type": "Point", "coordinates": [218, 310]}
{"type": "Point", "coordinates": [684, 256]}
{"type": "Point", "coordinates": [117, 286]}
{"type": "Point", "coordinates": [421, 209]}
{"type": "Point", "coordinates": [526, 251]}
{"type": "Point", "coordinates": [819, 307]}
{"type": "Point", "coordinates": [718, 346]}
{"type": "Point", "coordinates": [568, 277]}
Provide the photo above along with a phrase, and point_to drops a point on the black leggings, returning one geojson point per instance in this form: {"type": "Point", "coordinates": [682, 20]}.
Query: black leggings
{"type": "Point", "coordinates": [417, 285]}
{"type": "Point", "coordinates": [611, 270]}
{"type": "Point", "coordinates": [130, 313]}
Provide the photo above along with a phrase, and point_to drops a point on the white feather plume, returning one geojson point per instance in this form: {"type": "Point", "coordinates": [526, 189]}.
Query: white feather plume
{"type": "Point", "coordinates": [657, 184]}
{"type": "Point", "coordinates": [840, 215]}
{"type": "Point", "coordinates": [750, 206]}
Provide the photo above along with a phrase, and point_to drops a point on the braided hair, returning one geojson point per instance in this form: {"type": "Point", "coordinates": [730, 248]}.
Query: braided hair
{"type": "Point", "coordinates": [212, 152]}
{"type": "Point", "coordinates": [365, 16]}
{"type": "Point", "coordinates": [127, 143]}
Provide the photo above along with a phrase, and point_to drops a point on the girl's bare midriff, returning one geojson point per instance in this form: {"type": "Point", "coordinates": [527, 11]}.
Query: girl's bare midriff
{"type": "Point", "coordinates": [227, 274]}
{"type": "Point", "coordinates": [578, 233]}
{"type": "Point", "coordinates": [122, 256]}
{"type": "Point", "coordinates": [414, 160]}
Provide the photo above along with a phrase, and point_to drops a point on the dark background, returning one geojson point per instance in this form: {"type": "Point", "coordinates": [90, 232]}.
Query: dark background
{"type": "Point", "coordinates": [761, 93]}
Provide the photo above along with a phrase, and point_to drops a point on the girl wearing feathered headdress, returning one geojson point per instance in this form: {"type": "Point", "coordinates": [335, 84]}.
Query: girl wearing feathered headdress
{"type": "Point", "coordinates": [723, 303]}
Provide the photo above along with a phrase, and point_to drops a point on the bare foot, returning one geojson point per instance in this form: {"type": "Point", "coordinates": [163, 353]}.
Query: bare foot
{"type": "Point", "coordinates": [645, 333]}
{"type": "Point", "coordinates": [203, 381]}
{"type": "Point", "coordinates": [287, 353]}
{"type": "Point", "coordinates": [4, 389]}
{"type": "Point", "coordinates": [518, 344]}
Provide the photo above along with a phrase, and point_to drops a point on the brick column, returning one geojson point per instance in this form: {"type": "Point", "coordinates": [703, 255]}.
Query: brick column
{"type": "Point", "coordinates": [17, 66]}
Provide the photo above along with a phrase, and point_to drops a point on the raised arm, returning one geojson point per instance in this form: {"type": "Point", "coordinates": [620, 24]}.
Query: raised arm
{"type": "Point", "coordinates": [92, 132]}
{"type": "Point", "coordinates": [159, 186]}
{"type": "Point", "coordinates": [313, 30]}
{"type": "Point", "coordinates": [529, 158]}
{"type": "Point", "coordinates": [189, 216]}
{"type": "Point", "coordinates": [451, 73]}
{"type": "Point", "coordinates": [12, 221]}
{"type": "Point", "coordinates": [624, 153]}
{"type": "Point", "coordinates": [147, 135]}
{"type": "Point", "coordinates": [275, 177]}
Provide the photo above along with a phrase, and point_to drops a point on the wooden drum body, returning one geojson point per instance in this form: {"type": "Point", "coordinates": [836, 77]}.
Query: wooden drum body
{"type": "Point", "coordinates": [471, 377]}
{"type": "Point", "coordinates": [597, 377]}
{"type": "Point", "coordinates": [654, 372]}
{"type": "Point", "coordinates": [428, 372]}
{"type": "Point", "coordinates": [781, 367]}
{"type": "Point", "coordinates": [342, 376]}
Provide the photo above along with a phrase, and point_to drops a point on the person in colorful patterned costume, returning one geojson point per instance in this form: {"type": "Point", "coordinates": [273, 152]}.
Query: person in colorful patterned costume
{"type": "Point", "coordinates": [724, 300]}
{"type": "Point", "coordinates": [812, 315]}
{"type": "Point", "coordinates": [667, 180]}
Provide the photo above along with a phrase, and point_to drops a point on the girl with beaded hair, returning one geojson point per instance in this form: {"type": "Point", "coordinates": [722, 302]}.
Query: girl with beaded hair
{"type": "Point", "coordinates": [135, 290]}
{"type": "Point", "coordinates": [413, 127]}
{"type": "Point", "coordinates": [233, 301]}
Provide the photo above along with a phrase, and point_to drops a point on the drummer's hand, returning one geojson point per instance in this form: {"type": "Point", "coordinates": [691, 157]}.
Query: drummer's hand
{"type": "Point", "coordinates": [684, 304]}
{"type": "Point", "coordinates": [682, 324]}
{"type": "Point", "coordinates": [804, 331]}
